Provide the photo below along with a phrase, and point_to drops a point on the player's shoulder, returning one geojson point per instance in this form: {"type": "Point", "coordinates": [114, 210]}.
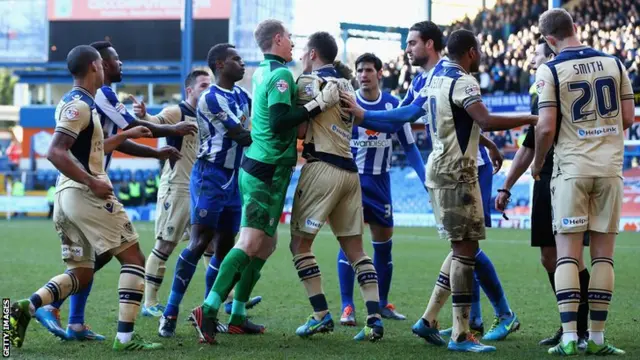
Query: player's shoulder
{"type": "Point", "coordinates": [241, 91]}
{"type": "Point", "coordinates": [387, 98]}
{"type": "Point", "coordinates": [78, 97]}
{"type": "Point", "coordinates": [279, 71]}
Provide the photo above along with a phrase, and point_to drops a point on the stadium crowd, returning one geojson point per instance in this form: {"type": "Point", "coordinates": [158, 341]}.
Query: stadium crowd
{"type": "Point", "coordinates": [508, 34]}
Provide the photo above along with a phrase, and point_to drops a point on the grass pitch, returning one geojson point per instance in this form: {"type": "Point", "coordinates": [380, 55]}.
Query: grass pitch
{"type": "Point", "coordinates": [31, 256]}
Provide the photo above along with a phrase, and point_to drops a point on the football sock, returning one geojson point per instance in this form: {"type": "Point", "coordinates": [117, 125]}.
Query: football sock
{"type": "Point", "coordinates": [600, 293]}
{"type": "Point", "coordinates": [583, 308]}
{"type": "Point", "coordinates": [230, 272]}
{"type": "Point", "coordinates": [346, 276]}
{"type": "Point", "coordinates": [568, 296]}
{"type": "Point", "coordinates": [441, 292]}
{"type": "Point", "coordinates": [213, 268]}
{"type": "Point", "coordinates": [461, 293]}
{"type": "Point", "coordinates": [384, 268]}
{"type": "Point", "coordinates": [185, 268]}
{"type": "Point", "coordinates": [154, 274]}
{"type": "Point", "coordinates": [486, 274]}
{"type": "Point", "coordinates": [475, 317]}
{"type": "Point", "coordinates": [77, 304]}
{"type": "Point", "coordinates": [309, 274]}
{"type": "Point", "coordinates": [58, 288]}
{"type": "Point", "coordinates": [552, 280]}
{"type": "Point", "coordinates": [206, 258]}
{"type": "Point", "coordinates": [131, 291]}
{"type": "Point", "coordinates": [368, 280]}
{"type": "Point", "coordinates": [244, 287]}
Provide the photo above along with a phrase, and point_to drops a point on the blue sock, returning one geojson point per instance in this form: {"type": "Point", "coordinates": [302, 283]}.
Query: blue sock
{"type": "Point", "coordinates": [58, 304]}
{"type": "Point", "coordinates": [211, 274]}
{"type": "Point", "coordinates": [185, 268]}
{"type": "Point", "coordinates": [77, 303]}
{"type": "Point", "coordinates": [488, 279]}
{"type": "Point", "coordinates": [384, 267]}
{"type": "Point", "coordinates": [475, 316]}
{"type": "Point", "coordinates": [346, 276]}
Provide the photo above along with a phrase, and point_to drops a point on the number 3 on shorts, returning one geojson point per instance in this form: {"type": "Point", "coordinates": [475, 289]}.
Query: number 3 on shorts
{"type": "Point", "coordinates": [387, 210]}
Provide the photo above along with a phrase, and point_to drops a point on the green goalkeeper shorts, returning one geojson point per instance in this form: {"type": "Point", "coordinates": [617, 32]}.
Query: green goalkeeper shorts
{"type": "Point", "coordinates": [264, 189]}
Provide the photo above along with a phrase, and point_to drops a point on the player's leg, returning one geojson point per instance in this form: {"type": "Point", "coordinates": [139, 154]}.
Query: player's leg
{"type": "Point", "coordinates": [172, 220]}
{"type": "Point", "coordinates": [316, 195]}
{"type": "Point", "coordinates": [570, 214]}
{"type": "Point", "coordinates": [78, 254]}
{"type": "Point", "coordinates": [605, 205]}
{"type": "Point", "coordinates": [583, 308]}
{"type": "Point", "coordinates": [347, 223]}
{"type": "Point", "coordinates": [263, 188]}
{"type": "Point", "coordinates": [378, 188]}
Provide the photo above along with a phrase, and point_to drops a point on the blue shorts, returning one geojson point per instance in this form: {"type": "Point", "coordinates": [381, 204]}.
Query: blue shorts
{"type": "Point", "coordinates": [485, 178]}
{"type": "Point", "coordinates": [376, 199]}
{"type": "Point", "coordinates": [215, 197]}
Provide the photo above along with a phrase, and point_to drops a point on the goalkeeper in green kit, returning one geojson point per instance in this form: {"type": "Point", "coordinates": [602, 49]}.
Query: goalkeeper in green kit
{"type": "Point", "coordinates": [264, 175]}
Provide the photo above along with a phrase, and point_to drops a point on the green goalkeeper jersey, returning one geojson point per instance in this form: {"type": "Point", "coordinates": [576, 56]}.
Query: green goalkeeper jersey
{"type": "Point", "coordinates": [272, 83]}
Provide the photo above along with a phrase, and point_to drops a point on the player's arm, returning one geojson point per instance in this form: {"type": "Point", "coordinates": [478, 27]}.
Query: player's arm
{"type": "Point", "coordinates": [219, 110]}
{"type": "Point", "coordinates": [405, 137]}
{"type": "Point", "coordinates": [283, 115]}
{"type": "Point", "coordinates": [522, 160]}
{"type": "Point", "coordinates": [113, 142]}
{"type": "Point", "coordinates": [373, 119]}
{"type": "Point", "coordinates": [547, 111]}
{"type": "Point", "coordinates": [74, 118]}
{"type": "Point", "coordinates": [138, 150]}
{"type": "Point", "coordinates": [626, 95]}
{"type": "Point", "coordinates": [494, 153]}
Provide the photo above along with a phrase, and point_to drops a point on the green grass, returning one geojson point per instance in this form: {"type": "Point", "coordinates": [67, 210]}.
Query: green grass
{"type": "Point", "coordinates": [31, 255]}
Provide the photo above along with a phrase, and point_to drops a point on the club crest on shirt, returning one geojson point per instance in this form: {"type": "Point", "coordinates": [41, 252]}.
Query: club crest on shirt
{"type": "Point", "coordinates": [472, 90]}
{"type": "Point", "coordinates": [71, 113]}
{"type": "Point", "coordinates": [282, 85]}
{"type": "Point", "coordinates": [388, 106]}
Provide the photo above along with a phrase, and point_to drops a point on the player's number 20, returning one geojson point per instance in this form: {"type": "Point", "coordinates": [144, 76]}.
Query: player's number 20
{"type": "Point", "coordinates": [605, 95]}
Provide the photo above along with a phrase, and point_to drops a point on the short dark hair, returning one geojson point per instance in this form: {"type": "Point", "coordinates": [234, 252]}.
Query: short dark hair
{"type": "Point", "coordinates": [218, 53]}
{"type": "Point", "coordinates": [370, 58]}
{"type": "Point", "coordinates": [191, 78]}
{"type": "Point", "coordinates": [343, 70]}
{"type": "Point", "coordinates": [557, 23]}
{"type": "Point", "coordinates": [325, 45]}
{"type": "Point", "coordinates": [460, 42]}
{"type": "Point", "coordinates": [429, 31]}
{"type": "Point", "coordinates": [102, 47]}
{"type": "Point", "coordinates": [547, 49]}
{"type": "Point", "coordinates": [80, 58]}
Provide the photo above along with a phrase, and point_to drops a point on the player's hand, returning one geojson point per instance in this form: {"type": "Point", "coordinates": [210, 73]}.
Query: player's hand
{"type": "Point", "coordinates": [101, 188]}
{"type": "Point", "coordinates": [139, 108]}
{"type": "Point", "coordinates": [139, 132]}
{"type": "Point", "coordinates": [170, 153]}
{"type": "Point", "coordinates": [185, 128]}
{"type": "Point", "coordinates": [350, 105]}
{"type": "Point", "coordinates": [535, 171]}
{"type": "Point", "coordinates": [326, 98]}
{"type": "Point", "coordinates": [534, 120]}
{"type": "Point", "coordinates": [496, 159]}
{"type": "Point", "coordinates": [502, 199]}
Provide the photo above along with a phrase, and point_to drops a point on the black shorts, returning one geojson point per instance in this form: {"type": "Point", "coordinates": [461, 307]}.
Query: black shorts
{"type": "Point", "coordinates": [541, 219]}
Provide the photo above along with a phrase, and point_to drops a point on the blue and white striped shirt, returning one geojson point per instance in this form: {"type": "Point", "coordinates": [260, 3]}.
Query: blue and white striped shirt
{"type": "Point", "coordinates": [371, 149]}
{"type": "Point", "coordinates": [113, 115]}
{"type": "Point", "coordinates": [219, 110]}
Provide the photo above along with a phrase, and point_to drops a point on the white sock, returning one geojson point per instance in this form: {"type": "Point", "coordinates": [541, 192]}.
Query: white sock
{"type": "Point", "coordinates": [597, 337]}
{"type": "Point", "coordinates": [32, 309]}
{"type": "Point", "coordinates": [124, 337]}
{"type": "Point", "coordinates": [568, 337]}
{"type": "Point", "coordinates": [76, 327]}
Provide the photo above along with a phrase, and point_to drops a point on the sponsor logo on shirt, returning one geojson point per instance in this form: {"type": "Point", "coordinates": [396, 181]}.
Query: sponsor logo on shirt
{"type": "Point", "coordinates": [575, 221]}
{"type": "Point", "coordinates": [282, 85]}
{"type": "Point", "coordinates": [341, 132]}
{"type": "Point", "coordinates": [598, 132]}
{"type": "Point", "coordinates": [372, 143]}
